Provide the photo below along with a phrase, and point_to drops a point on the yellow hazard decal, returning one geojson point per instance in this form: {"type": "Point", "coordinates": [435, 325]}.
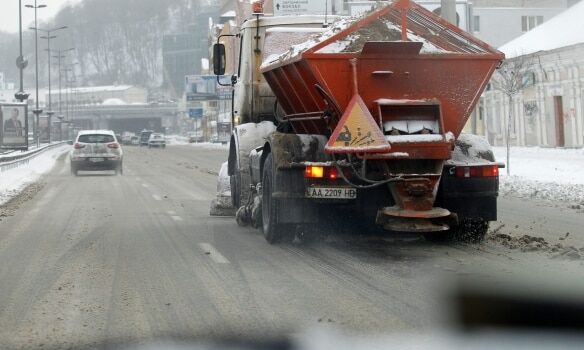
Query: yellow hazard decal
{"type": "Point", "coordinates": [357, 131]}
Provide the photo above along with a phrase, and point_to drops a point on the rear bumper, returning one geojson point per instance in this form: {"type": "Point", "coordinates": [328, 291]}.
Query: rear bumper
{"type": "Point", "coordinates": [87, 164]}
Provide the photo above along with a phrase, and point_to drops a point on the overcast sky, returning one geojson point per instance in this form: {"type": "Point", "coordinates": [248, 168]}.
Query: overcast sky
{"type": "Point", "coordinates": [9, 12]}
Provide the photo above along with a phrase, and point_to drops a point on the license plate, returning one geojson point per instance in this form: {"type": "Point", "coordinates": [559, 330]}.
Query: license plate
{"type": "Point", "coordinates": [96, 160]}
{"type": "Point", "coordinates": [331, 192]}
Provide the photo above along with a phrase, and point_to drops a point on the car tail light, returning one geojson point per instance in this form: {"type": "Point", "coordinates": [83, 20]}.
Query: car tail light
{"type": "Point", "coordinates": [114, 145]}
{"type": "Point", "coordinates": [78, 146]}
{"type": "Point", "coordinates": [314, 171]}
{"type": "Point", "coordinates": [477, 171]}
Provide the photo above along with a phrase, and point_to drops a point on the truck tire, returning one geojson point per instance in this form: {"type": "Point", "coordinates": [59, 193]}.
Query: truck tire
{"type": "Point", "coordinates": [468, 230]}
{"type": "Point", "coordinates": [274, 232]}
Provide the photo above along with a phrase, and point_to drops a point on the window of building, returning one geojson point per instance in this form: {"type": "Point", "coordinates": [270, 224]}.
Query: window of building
{"type": "Point", "coordinates": [530, 22]}
{"type": "Point", "coordinates": [476, 23]}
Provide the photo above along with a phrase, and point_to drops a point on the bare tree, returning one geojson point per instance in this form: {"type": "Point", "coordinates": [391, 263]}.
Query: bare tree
{"type": "Point", "coordinates": [510, 79]}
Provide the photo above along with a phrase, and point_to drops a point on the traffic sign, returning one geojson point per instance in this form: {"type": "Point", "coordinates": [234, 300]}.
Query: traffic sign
{"type": "Point", "coordinates": [21, 62]}
{"type": "Point", "coordinates": [195, 113]}
{"type": "Point", "coordinates": [301, 7]}
{"type": "Point", "coordinates": [357, 131]}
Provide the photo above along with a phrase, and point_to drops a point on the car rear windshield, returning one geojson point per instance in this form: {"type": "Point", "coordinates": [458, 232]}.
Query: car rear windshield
{"type": "Point", "coordinates": [96, 138]}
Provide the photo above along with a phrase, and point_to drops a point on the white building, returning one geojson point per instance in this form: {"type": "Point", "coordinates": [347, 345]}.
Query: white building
{"type": "Point", "coordinates": [549, 111]}
{"type": "Point", "coordinates": [497, 22]}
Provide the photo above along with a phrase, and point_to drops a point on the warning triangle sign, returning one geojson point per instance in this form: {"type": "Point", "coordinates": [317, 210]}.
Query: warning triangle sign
{"type": "Point", "coordinates": [357, 131]}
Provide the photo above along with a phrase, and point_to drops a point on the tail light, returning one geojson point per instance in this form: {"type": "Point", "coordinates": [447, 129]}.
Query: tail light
{"type": "Point", "coordinates": [78, 146]}
{"type": "Point", "coordinates": [114, 145]}
{"type": "Point", "coordinates": [477, 171]}
{"type": "Point", "coordinates": [314, 171]}
{"type": "Point", "coordinates": [321, 172]}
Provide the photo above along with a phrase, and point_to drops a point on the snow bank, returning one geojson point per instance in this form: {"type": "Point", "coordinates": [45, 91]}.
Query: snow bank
{"type": "Point", "coordinates": [543, 173]}
{"type": "Point", "coordinates": [176, 140]}
{"type": "Point", "coordinates": [562, 166]}
{"type": "Point", "coordinates": [209, 145]}
{"type": "Point", "coordinates": [13, 181]}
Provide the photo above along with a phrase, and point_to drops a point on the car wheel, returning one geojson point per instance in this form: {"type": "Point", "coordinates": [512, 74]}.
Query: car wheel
{"type": "Point", "coordinates": [74, 171]}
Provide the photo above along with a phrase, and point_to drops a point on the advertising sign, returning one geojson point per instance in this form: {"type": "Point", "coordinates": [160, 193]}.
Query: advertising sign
{"type": "Point", "coordinates": [14, 126]}
{"type": "Point", "coordinates": [205, 88]}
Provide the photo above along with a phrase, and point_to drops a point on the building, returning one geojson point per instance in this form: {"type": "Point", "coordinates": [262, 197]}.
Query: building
{"type": "Point", "coordinates": [182, 52]}
{"type": "Point", "coordinates": [497, 22]}
{"type": "Point", "coordinates": [549, 110]}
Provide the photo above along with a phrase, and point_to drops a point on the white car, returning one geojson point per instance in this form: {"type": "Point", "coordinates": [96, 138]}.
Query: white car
{"type": "Point", "coordinates": [156, 140]}
{"type": "Point", "coordinates": [96, 150]}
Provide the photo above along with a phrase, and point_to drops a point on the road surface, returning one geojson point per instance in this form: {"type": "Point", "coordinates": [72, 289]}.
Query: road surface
{"type": "Point", "coordinates": [104, 258]}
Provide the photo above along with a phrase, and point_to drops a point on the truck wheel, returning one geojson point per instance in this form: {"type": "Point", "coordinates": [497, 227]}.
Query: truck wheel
{"type": "Point", "coordinates": [468, 230]}
{"type": "Point", "coordinates": [235, 185]}
{"type": "Point", "coordinates": [472, 230]}
{"type": "Point", "coordinates": [273, 231]}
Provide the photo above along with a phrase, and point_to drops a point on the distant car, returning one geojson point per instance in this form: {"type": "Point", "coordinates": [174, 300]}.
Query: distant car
{"type": "Point", "coordinates": [156, 140]}
{"type": "Point", "coordinates": [127, 138]}
{"type": "Point", "coordinates": [195, 137]}
{"type": "Point", "coordinates": [135, 140]}
{"type": "Point", "coordinates": [96, 150]}
{"type": "Point", "coordinates": [144, 137]}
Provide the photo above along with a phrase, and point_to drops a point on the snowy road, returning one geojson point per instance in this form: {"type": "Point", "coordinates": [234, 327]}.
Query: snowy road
{"type": "Point", "coordinates": [136, 257]}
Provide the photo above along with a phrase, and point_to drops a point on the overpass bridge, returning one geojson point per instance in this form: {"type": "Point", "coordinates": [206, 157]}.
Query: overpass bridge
{"type": "Point", "coordinates": [132, 117]}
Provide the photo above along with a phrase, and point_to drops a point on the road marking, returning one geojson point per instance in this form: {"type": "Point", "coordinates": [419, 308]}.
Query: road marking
{"type": "Point", "coordinates": [144, 185]}
{"type": "Point", "coordinates": [156, 197]}
{"type": "Point", "coordinates": [171, 212]}
{"type": "Point", "coordinates": [213, 253]}
{"type": "Point", "coordinates": [176, 218]}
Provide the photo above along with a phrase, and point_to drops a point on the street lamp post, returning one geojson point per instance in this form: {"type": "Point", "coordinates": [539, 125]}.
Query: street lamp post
{"type": "Point", "coordinates": [48, 36]}
{"type": "Point", "coordinates": [21, 63]}
{"type": "Point", "coordinates": [37, 111]}
{"type": "Point", "coordinates": [60, 116]}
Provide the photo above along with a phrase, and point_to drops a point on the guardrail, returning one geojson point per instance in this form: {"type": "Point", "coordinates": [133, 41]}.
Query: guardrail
{"type": "Point", "coordinates": [11, 161]}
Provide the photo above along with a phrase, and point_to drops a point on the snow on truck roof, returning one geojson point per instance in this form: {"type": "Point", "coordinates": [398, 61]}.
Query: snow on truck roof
{"type": "Point", "coordinates": [565, 29]}
{"type": "Point", "coordinates": [349, 35]}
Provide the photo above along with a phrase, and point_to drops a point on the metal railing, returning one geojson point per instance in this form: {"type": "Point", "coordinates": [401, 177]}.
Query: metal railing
{"type": "Point", "coordinates": [11, 160]}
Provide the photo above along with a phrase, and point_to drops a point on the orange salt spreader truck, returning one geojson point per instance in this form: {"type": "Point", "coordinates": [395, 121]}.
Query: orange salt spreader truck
{"type": "Point", "coordinates": [359, 119]}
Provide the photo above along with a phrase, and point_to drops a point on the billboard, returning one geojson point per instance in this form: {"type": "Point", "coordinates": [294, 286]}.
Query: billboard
{"type": "Point", "coordinates": [205, 88]}
{"type": "Point", "coordinates": [14, 122]}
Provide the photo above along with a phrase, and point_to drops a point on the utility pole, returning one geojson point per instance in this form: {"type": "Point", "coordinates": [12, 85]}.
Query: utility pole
{"type": "Point", "coordinates": [21, 63]}
{"type": "Point", "coordinates": [37, 111]}
{"type": "Point", "coordinates": [59, 57]}
{"type": "Point", "coordinates": [448, 10]}
{"type": "Point", "coordinates": [50, 104]}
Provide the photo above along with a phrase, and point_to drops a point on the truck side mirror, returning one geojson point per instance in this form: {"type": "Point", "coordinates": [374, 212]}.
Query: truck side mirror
{"type": "Point", "coordinates": [219, 59]}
